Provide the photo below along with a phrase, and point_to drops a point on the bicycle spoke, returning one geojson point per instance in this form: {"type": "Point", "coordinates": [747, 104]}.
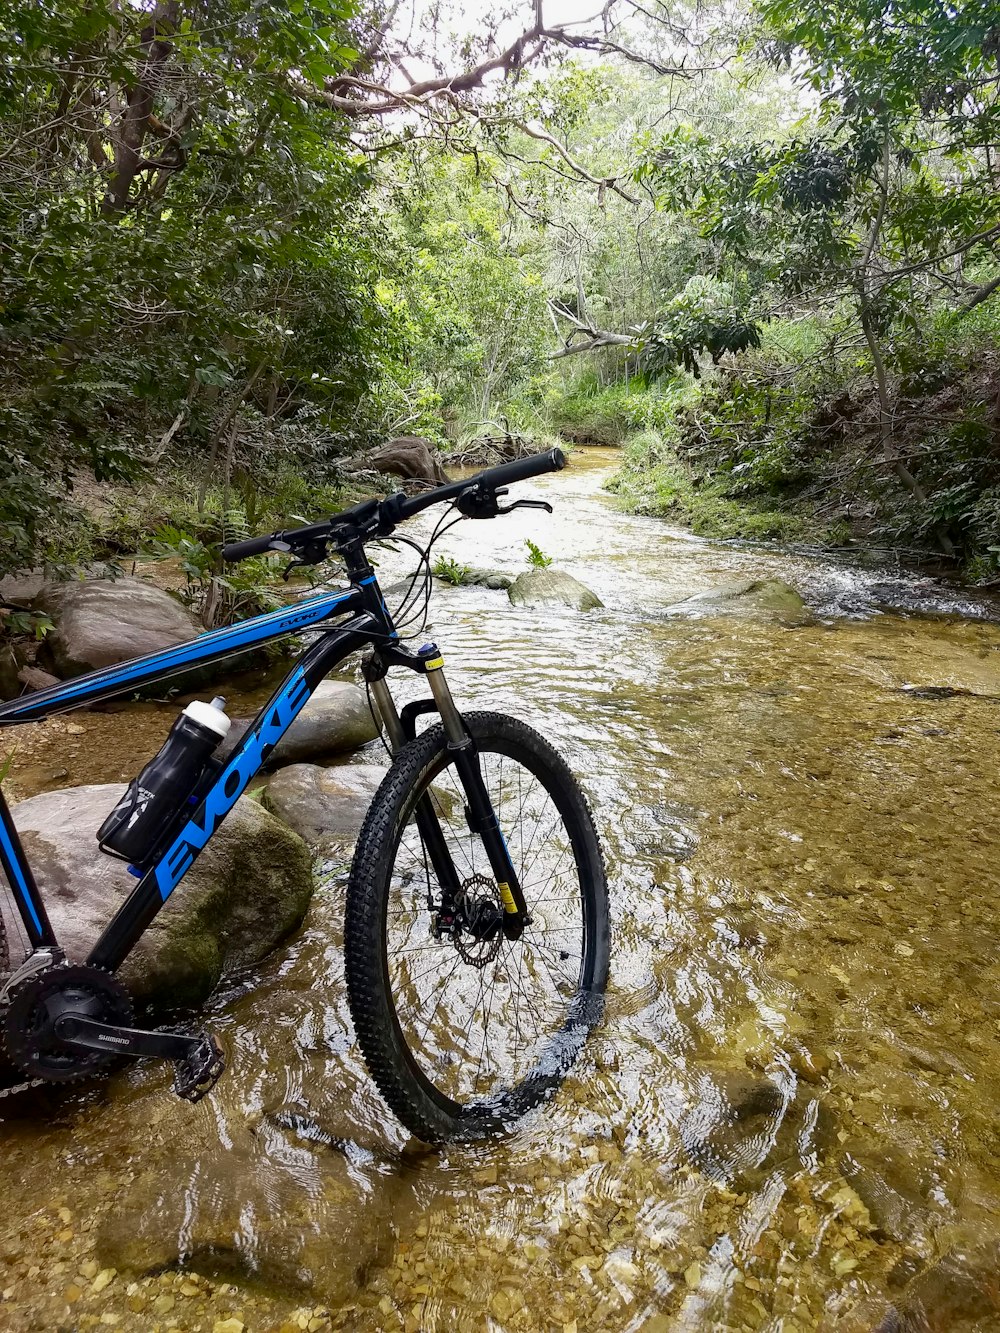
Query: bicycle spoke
{"type": "Point", "coordinates": [478, 1022]}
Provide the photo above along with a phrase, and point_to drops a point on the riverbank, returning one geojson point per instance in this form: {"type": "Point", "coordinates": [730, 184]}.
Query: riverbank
{"type": "Point", "coordinates": [796, 442]}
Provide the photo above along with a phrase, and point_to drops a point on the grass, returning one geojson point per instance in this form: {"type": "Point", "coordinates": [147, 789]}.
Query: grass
{"type": "Point", "coordinates": [590, 412]}
{"type": "Point", "coordinates": [652, 480]}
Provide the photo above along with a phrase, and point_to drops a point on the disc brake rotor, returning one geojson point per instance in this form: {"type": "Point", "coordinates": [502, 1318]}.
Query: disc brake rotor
{"type": "Point", "coordinates": [478, 929]}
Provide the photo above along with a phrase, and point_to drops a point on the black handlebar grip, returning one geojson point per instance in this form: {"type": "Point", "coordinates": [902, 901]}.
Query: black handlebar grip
{"type": "Point", "coordinates": [522, 468]}
{"type": "Point", "coordinates": [252, 546]}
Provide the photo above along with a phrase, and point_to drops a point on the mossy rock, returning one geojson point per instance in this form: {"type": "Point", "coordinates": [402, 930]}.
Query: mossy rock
{"type": "Point", "coordinates": [248, 889]}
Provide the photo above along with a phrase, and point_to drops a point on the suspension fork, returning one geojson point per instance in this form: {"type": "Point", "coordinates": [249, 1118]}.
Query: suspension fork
{"type": "Point", "coordinates": [428, 825]}
{"type": "Point", "coordinates": [479, 812]}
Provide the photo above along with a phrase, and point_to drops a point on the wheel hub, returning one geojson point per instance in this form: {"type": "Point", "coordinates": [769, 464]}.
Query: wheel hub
{"type": "Point", "coordinates": [40, 1000]}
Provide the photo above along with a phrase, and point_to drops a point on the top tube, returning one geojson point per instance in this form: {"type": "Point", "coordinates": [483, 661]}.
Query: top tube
{"type": "Point", "coordinates": [124, 676]}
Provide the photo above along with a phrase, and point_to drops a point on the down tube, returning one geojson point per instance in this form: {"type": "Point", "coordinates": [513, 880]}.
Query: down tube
{"type": "Point", "coordinates": [270, 725]}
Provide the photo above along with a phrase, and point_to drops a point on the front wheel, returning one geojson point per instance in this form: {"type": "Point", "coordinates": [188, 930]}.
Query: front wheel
{"type": "Point", "coordinates": [462, 1029]}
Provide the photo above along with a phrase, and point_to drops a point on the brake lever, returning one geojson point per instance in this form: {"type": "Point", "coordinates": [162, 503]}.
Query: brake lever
{"type": "Point", "coordinates": [312, 554]}
{"type": "Point", "coordinates": [525, 504]}
{"type": "Point", "coordinates": [477, 503]}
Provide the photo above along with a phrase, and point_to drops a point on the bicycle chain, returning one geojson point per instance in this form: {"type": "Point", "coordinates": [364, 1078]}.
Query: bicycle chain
{"type": "Point", "coordinates": [17, 1088]}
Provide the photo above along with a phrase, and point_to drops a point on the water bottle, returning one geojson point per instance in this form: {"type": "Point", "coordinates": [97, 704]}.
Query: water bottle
{"type": "Point", "coordinates": [153, 799]}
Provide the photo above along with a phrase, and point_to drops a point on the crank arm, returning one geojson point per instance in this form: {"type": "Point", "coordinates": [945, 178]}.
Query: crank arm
{"type": "Point", "coordinates": [86, 1033]}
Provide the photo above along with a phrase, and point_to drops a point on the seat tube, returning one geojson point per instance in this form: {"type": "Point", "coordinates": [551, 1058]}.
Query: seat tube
{"type": "Point", "coordinates": [22, 882]}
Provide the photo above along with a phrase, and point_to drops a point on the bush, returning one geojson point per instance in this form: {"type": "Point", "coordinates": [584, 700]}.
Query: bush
{"type": "Point", "coordinates": [592, 413]}
{"type": "Point", "coordinates": [653, 480]}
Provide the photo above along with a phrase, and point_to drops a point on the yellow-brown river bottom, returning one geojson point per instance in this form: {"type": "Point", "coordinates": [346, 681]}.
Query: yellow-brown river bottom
{"type": "Point", "coordinates": [788, 1116]}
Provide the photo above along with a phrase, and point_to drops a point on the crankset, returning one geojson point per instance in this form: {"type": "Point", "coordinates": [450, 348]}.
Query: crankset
{"type": "Point", "coordinates": [67, 1022]}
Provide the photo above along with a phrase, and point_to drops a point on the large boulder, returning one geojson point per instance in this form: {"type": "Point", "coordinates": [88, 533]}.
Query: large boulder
{"type": "Point", "coordinates": [335, 720]}
{"type": "Point", "coordinates": [323, 805]}
{"type": "Point", "coordinates": [99, 622]}
{"type": "Point", "coordinates": [552, 587]}
{"type": "Point", "coordinates": [407, 456]}
{"type": "Point", "coordinates": [248, 889]}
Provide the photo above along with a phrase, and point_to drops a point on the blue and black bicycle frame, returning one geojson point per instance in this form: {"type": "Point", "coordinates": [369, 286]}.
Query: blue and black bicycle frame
{"type": "Point", "coordinates": [361, 620]}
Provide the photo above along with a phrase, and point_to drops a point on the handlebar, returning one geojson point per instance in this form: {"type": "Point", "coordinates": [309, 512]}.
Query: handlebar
{"type": "Point", "coordinates": [402, 507]}
{"type": "Point", "coordinates": [374, 518]}
{"type": "Point", "coordinates": [241, 550]}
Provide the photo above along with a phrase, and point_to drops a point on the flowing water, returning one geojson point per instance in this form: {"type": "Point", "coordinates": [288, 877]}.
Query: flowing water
{"type": "Point", "coordinates": [788, 1116]}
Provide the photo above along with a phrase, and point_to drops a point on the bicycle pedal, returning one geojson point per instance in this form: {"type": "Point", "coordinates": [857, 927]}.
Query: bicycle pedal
{"type": "Point", "coordinates": [197, 1073]}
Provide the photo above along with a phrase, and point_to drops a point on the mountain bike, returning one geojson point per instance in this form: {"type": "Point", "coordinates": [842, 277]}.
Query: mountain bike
{"type": "Point", "coordinates": [476, 930]}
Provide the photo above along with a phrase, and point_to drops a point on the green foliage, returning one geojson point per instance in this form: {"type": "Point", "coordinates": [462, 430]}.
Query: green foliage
{"type": "Point", "coordinates": [536, 556]}
{"type": "Point", "coordinates": [469, 309]}
{"type": "Point", "coordinates": [15, 624]}
{"type": "Point", "coordinates": [220, 280]}
{"type": "Point", "coordinates": [590, 412]}
{"type": "Point", "coordinates": [702, 318]}
{"type": "Point", "coordinates": [653, 480]}
{"type": "Point", "coordinates": [450, 571]}
{"type": "Point", "coordinates": [246, 589]}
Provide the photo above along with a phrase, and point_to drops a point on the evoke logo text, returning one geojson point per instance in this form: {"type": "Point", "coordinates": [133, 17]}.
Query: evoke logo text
{"type": "Point", "coordinates": [232, 781]}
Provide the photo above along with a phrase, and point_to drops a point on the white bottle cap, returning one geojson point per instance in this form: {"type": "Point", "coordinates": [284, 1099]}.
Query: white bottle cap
{"type": "Point", "coordinates": [208, 716]}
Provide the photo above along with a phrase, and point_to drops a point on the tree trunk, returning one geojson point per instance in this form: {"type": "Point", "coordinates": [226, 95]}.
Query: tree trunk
{"type": "Point", "coordinates": [133, 121]}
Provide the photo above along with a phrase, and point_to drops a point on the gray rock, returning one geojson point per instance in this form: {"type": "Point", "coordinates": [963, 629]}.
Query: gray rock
{"type": "Point", "coordinates": [335, 721]}
{"type": "Point", "coordinates": [408, 456]}
{"type": "Point", "coordinates": [487, 578]}
{"type": "Point", "coordinates": [22, 589]}
{"type": "Point", "coordinates": [323, 805]}
{"type": "Point", "coordinates": [34, 678]}
{"type": "Point", "coordinates": [552, 587]}
{"type": "Point", "coordinates": [750, 595]}
{"type": "Point", "coordinates": [99, 622]}
{"type": "Point", "coordinates": [246, 891]}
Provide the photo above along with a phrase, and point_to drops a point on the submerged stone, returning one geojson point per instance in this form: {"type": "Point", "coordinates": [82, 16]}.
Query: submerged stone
{"type": "Point", "coordinates": [552, 587]}
{"type": "Point", "coordinates": [750, 595]}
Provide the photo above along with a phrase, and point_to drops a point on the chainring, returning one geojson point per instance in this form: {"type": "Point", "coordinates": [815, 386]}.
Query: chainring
{"type": "Point", "coordinates": [39, 1000]}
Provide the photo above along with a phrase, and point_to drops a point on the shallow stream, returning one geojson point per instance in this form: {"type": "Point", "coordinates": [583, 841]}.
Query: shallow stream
{"type": "Point", "coordinates": [788, 1117]}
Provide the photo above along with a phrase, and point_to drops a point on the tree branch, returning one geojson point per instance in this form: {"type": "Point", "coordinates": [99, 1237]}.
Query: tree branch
{"type": "Point", "coordinates": [979, 296]}
{"type": "Point", "coordinates": [594, 337]}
